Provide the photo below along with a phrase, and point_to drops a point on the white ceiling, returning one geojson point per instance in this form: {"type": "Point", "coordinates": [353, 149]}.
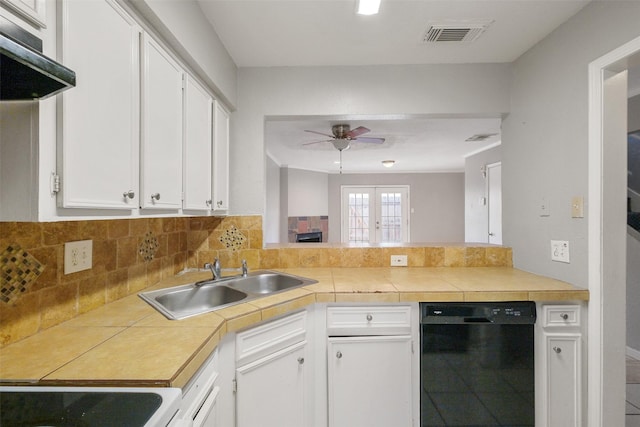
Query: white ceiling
{"type": "Point", "coordinates": [416, 144]}
{"type": "Point", "coordinates": [265, 33]}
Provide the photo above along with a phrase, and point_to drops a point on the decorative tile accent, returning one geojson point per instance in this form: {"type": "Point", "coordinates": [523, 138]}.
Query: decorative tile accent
{"type": "Point", "coordinates": [232, 238]}
{"type": "Point", "coordinates": [149, 246]}
{"type": "Point", "coordinates": [19, 270]}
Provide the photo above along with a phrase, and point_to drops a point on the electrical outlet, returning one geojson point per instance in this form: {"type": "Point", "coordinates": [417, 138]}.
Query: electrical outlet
{"type": "Point", "coordinates": [560, 251]}
{"type": "Point", "coordinates": [398, 260]}
{"type": "Point", "coordinates": [78, 256]}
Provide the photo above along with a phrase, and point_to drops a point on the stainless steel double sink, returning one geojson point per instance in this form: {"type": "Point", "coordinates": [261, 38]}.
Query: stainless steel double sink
{"type": "Point", "coordinates": [188, 300]}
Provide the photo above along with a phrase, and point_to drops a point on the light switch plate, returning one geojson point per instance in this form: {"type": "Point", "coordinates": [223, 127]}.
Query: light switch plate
{"type": "Point", "coordinates": [577, 207]}
{"type": "Point", "coordinates": [78, 256]}
{"type": "Point", "coordinates": [544, 208]}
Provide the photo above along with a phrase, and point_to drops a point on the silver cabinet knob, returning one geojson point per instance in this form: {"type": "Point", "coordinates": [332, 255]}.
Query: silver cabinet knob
{"type": "Point", "coordinates": [301, 360]}
{"type": "Point", "coordinates": [208, 202]}
{"type": "Point", "coordinates": [219, 203]}
{"type": "Point", "coordinates": [558, 350]}
{"type": "Point", "coordinates": [564, 316]}
{"type": "Point", "coordinates": [155, 196]}
{"type": "Point", "coordinates": [129, 194]}
{"type": "Point", "coordinates": [369, 318]}
{"type": "Point", "coordinates": [339, 355]}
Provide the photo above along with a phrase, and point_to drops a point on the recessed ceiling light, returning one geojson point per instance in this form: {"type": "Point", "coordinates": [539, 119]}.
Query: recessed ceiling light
{"type": "Point", "coordinates": [368, 7]}
{"type": "Point", "coordinates": [388, 163]}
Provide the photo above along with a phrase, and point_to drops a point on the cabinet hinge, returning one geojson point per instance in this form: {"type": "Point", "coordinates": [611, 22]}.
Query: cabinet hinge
{"type": "Point", "coordinates": [234, 385]}
{"type": "Point", "coordinates": [55, 183]}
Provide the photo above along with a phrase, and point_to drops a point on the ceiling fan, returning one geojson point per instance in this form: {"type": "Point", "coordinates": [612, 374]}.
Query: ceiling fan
{"type": "Point", "coordinates": [343, 136]}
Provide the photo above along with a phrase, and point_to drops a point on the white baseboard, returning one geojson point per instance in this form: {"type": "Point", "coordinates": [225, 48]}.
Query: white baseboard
{"type": "Point", "coordinates": [632, 352]}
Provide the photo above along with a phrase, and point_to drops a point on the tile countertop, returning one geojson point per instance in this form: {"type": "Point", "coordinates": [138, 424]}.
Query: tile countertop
{"type": "Point", "coordinates": [128, 343]}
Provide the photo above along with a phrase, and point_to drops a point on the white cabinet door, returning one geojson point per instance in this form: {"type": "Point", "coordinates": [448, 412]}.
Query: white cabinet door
{"type": "Point", "coordinates": [32, 10]}
{"type": "Point", "coordinates": [98, 151]}
{"type": "Point", "coordinates": [198, 129]}
{"type": "Point", "coordinates": [370, 381]}
{"type": "Point", "coordinates": [563, 380]}
{"type": "Point", "coordinates": [161, 149]}
{"type": "Point", "coordinates": [271, 391]}
{"type": "Point", "coordinates": [221, 160]}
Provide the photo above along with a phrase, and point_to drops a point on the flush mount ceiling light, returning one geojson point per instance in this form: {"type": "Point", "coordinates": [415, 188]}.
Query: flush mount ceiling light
{"type": "Point", "coordinates": [388, 163]}
{"type": "Point", "coordinates": [368, 7]}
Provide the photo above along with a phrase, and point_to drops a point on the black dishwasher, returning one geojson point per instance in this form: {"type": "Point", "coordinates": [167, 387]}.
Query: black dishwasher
{"type": "Point", "coordinates": [476, 364]}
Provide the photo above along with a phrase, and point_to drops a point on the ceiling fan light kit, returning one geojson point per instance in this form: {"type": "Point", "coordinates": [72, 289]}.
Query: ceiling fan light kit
{"type": "Point", "coordinates": [343, 136]}
{"type": "Point", "coordinates": [368, 7]}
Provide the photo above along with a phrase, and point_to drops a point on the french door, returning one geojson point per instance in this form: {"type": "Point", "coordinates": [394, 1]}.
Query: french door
{"type": "Point", "coordinates": [375, 214]}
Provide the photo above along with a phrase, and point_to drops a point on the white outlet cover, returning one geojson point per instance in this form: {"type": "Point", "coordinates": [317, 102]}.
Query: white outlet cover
{"type": "Point", "coordinates": [398, 260]}
{"type": "Point", "coordinates": [78, 256]}
{"type": "Point", "coordinates": [560, 251]}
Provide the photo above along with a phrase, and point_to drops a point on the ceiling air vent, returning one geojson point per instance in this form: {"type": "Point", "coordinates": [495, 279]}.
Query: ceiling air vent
{"type": "Point", "coordinates": [463, 31]}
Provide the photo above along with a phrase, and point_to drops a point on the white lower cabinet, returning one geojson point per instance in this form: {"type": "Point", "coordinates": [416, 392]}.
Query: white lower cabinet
{"type": "Point", "coordinates": [370, 381]}
{"type": "Point", "coordinates": [271, 390]}
{"type": "Point", "coordinates": [200, 397]}
{"type": "Point", "coordinates": [559, 376]}
{"type": "Point", "coordinates": [271, 374]}
{"type": "Point", "coordinates": [372, 369]}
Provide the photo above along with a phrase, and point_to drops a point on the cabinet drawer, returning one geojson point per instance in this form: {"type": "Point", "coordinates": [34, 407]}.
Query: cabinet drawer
{"type": "Point", "coordinates": [560, 315]}
{"type": "Point", "coordinates": [369, 320]}
{"type": "Point", "coordinates": [265, 339]}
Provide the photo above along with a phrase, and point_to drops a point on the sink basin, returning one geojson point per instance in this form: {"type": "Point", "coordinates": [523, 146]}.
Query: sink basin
{"type": "Point", "coordinates": [267, 283]}
{"type": "Point", "coordinates": [184, 301]}
{"type": "Point", "coordinates": [188, 300]}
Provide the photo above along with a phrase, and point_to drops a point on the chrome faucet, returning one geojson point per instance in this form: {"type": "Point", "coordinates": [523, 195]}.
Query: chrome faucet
{"type": "Point", "coordinates": [215, 269]}
{"type": "Point", "coordinates": [245, 269]}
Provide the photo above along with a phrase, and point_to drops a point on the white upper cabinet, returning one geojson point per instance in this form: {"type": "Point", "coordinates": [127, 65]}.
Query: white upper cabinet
{"type": "Point", "coordinates": [32, 10]}
{"type": "Point", "coordinates": [198, 140]}
{"type": "Point", "coordinates": [161, 148]}
{"type": "Point", "coordinates": [98, 151]}
{"type": "Point", "coordinates": [221, 160]}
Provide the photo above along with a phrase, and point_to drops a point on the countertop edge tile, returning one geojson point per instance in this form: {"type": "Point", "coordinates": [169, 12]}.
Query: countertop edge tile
{"type": "Point", "coordinates": [248, 314]}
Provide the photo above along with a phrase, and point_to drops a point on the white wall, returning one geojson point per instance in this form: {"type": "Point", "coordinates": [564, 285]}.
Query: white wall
{"type": "Point", "coordinates": [476, 215]}
{"type": "Point", "coordinates": [308, 193]}
{"type": "Point", "coordinates": [545, 154]}
{"type": "Point", "coordinates": [383, 90]}
{"type": "Point", "coordinates": [437, 200]}
{"type": "Point", "coordinates": [271, 220]}
{"type": "Point", "coordinates": [185, 27]}
{"type": "Point", "coordinates": [544, 138]}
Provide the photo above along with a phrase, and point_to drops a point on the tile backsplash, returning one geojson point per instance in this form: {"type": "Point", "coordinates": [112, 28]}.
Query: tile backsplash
{"type": "Point", "coordinates": [130, 255]}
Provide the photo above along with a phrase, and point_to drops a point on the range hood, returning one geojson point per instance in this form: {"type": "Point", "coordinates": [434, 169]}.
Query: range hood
{"type": "Point", "coordinates": [25, 73]}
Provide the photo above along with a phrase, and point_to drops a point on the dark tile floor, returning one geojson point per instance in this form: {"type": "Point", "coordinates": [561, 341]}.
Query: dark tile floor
{"type": "Point", "coordinates": [633, 393]}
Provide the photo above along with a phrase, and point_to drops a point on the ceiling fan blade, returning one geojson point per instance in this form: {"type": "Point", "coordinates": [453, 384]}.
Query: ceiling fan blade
{"type": "Point", "coordinates": [315, 142]}
{"type": "Point", "coordinates": [369, 139]}
{"type": "Point", "coordinates": [320, 133]}
{"type": "Point", "coordinates": [356, 132]}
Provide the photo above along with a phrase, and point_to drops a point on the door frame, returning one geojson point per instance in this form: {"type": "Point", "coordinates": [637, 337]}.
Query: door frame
{"type": "Point", "coordinates": [488, 193]}
{"type": "Point", "coordinates": [375, 187]}
{"type": "Point", "coordinates": [599, 261]}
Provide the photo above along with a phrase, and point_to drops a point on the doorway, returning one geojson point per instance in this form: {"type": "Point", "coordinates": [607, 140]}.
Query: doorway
{"type": "Point", "coordinates": [375, 214]}
{"type": "Point", "coordinates": [494, 202]}
{"type": "Point", "coordinates": [607, 235]}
